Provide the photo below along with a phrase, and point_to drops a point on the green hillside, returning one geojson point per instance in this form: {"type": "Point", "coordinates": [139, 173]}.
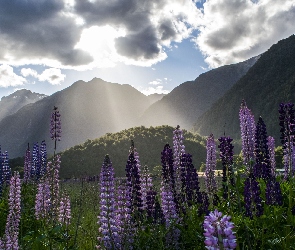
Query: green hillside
{"type": "Point", "coordinates": [86, 159]}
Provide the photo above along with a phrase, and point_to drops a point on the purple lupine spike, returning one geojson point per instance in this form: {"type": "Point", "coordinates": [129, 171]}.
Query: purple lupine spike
{"type": "Point", "coordinates": [107, 219]}
{"type": "Point", "coordinates": [252, 199]}
{"type": "Point", "coordinates": [247, 125]}
{"type": "Point", "coordinates": [178, 150]}
{"type": "Point", "coordinates": [204, 201]}
{"type": "Point", "coordinates": [190, 181]}
{"type": "Point", "coordinates": [6, 168]}
{"type": "Point", "coordinates": [271, 150]}
{"type": "Point", "coordinates": [151, 204]}
{"type": "Point", "coordinates": [133, 182]}
{"type": "Point", "coordinates": [55, 126]}
{"type": "Point", "coordinates": [145, 186]}
{"type": "Point", "coordinates": [170, 214]}
{"type": "Point", "coordinates": [219, 231]}
{"type": "Point", "coordinates": [10, 240]}
{"type": "Point", "coordinates": [36, 162]}
{"type": "Point", "coordinates": [43, 158]}
{"type": "Point", "coordinates": [43, 199]}
{"type": "Point", "coordinates": [210, 181]}
{"type": "Point", "coordinates": [262, 168]}
{"type": "Point", "coordinates": [1, 174]}
{"type": "Point", "coordinates": [226, 155]}
{"type": "Point", "coordinates": [287, 123]}
{"type": "Point", "coordinates": [64, 211]}
{"type": "Point", "coordinates": [27, 165]}
{"type": "Point", "coordinates": [273, 193]}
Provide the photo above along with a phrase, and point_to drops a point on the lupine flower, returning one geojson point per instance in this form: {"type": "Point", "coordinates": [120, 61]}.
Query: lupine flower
{"type": "Point", "coordinates": [226, 155]}
{"type": "Point", "coordinates": [247, 125]}
{"type": "Point", "coordinates": [133, 182]}
{"type": "Point", "coordinates": [6, 170]}
{"type": "Point", "coordinates": [190, 181]}
{"type": "Point", "coordinates": [27, 165]}
{"type": "Point", "coordinates": [262, 168]}
{"type": "Point", "coordinates": [13, 219]}
{"type": "Point", "coordinates": [178, 150]}
{"type": "Point", "coordinates": [204, 201]}
{"type": "Point", "coordinates": [287, 123]}
{"type": "Point", "coordinates": [64, 211]}
{"type": "Point", "coordinates": [271, 150]}
{"type": "Point", "coordinates": [43, 158]}
{"type": "Point", "coordinates": [43, 199]}
{"type": "Point", "coordinates": [1, 174]}
{"type": "Point", "coordinates": [55, 126]}
{"type": "Point", "coordinates": [145, 186]}
{"type": "Point", "coordinates": [219, 232]}
{"type": "Point", "coordinates": [273, 193]}
{"type": "Point", "coordinates": [252, 199]}
{"type": "Point", "coordinates": [36, 162]}
{"type": "Point", "coordinates": [210, 181]}
{"type": "Point", "coordinates": [170, 214]}
{"type": "Point", "coordinates": [107, 219]}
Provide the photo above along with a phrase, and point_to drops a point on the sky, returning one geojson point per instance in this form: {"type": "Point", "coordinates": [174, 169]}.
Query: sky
{"type": "Point", "coordinates": [153, 45]}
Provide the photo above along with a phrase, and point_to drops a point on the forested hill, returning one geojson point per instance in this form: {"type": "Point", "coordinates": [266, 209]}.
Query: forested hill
{"type": "Point", "coordinates": [86, 159]}
{"type": "Point", "coordinates": [270, 81]}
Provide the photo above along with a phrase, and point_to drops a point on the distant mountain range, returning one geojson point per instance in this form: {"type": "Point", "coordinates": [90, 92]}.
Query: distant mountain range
{"type": "Point", "coordinates": [20, 98]}
{"type": "Point", "coordinates": [209, 104]}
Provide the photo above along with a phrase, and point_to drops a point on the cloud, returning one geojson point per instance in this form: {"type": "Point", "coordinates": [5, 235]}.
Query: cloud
{"type": "Point", "coordinates": [235, 30]}
{"type": "Point", "coordinates": [153, 90]}
{"type": "Point", "coordinates": [9, 78]}
{"type": "Point", "coordinates": [156, 82]}
{"type": "Point", "coordinates": [51, 75]}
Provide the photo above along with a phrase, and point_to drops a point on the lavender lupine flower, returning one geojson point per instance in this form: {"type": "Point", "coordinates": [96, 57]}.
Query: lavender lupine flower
{"type": "Point", "coordinates": [107, 219]}
{"type": "Point", "coordinates": [170, 214]}
{"type": "Point", "coordinates": [55, 126]}
{"type": "Point", "coordinates": [27, 165]}
{"type": "Point", "coordinates": [219, 231]}
{"type": "Point", "coordinates": [43, 158]}
{"type": "Point", "coordinates": [6, 170]}
{"type": "Point", "coordinates": [64, 211]}
{"type": "Point", "coordinates": [133, 182]}
{"type": "Point", "coordinates": [1, 174]}
{"type": "Point", "coordinates": [210, 181]}
{"type": "Point", "coordinates": [262, 168]}
{"type": "Point", "coordinates": [273, 193]}
{"type": "Point", "coordinates": [247, 125]}
{"type": "Point", "coordinates": [226, 155]}
{"type": "Point", "coordinates": [36, 162]}
{"type": "Point", "coordinates": [271, 150]}
{"type": "Point", "coordinates": [252, 199]}
{"type": "Point", "coordinates": [178, 150]}
{"type": "Point", "coordinates": [145, 186]}
{"type": "Point", "coordinates": [287, 123]}
{"type": "Point", "coordinates": [190, 181]}
{"type": "Point", "coordinates": [151, 204]}
{"type": "Point", "coordinates": [43, 199]}
{"type": "Point", "coordinates": [13, 219]}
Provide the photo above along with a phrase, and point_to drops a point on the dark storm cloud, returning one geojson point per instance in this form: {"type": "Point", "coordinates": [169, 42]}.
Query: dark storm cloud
{"type": "Point", "coordinates": [39, 29]}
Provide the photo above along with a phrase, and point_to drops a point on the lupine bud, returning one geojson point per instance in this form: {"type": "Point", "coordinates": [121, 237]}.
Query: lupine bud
{"type": "Point", "coordinates": [55, 126]}
{"type": "Point", "coordinates": [271, 149]}
{"type": "Point", "coordinates": [6, 168]}
{"type": "Point", "coordinates": [27, 165]}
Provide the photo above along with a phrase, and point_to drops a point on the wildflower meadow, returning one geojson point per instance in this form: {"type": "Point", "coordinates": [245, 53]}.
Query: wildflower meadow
{"type": "Point", "coordinates": [250, 206]}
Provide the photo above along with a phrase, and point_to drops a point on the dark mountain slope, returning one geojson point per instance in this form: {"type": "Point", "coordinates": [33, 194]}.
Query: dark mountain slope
{"type": "Point", "coordinates": [184, 104]}
{"type": "Point", "coordinates": [268, 83]}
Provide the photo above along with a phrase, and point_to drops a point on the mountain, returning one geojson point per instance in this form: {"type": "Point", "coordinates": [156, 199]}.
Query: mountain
{"type": "Point", "coordinates": [88, 110]}
{"type": "Point", "coordinates": [269, 82]}
{"type": "Point", "coordinates": [184, 104]}
{"type": "Point", "coordinates": [15, 101]}
{"type": "Point", "coordinates": [155, 97]}
{"type": "Point", "coordinates": [149, 143]}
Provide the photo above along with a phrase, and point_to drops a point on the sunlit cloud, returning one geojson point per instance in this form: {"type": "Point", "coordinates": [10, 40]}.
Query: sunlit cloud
{"type": "Point", "coordinates": [233, 31]}
{"type": "Point", "coordinates": [153, 90]}
{"type": "Point", "coordinates": [9, 78]}
{"type": "Point", "coordinates": [51, 75]}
